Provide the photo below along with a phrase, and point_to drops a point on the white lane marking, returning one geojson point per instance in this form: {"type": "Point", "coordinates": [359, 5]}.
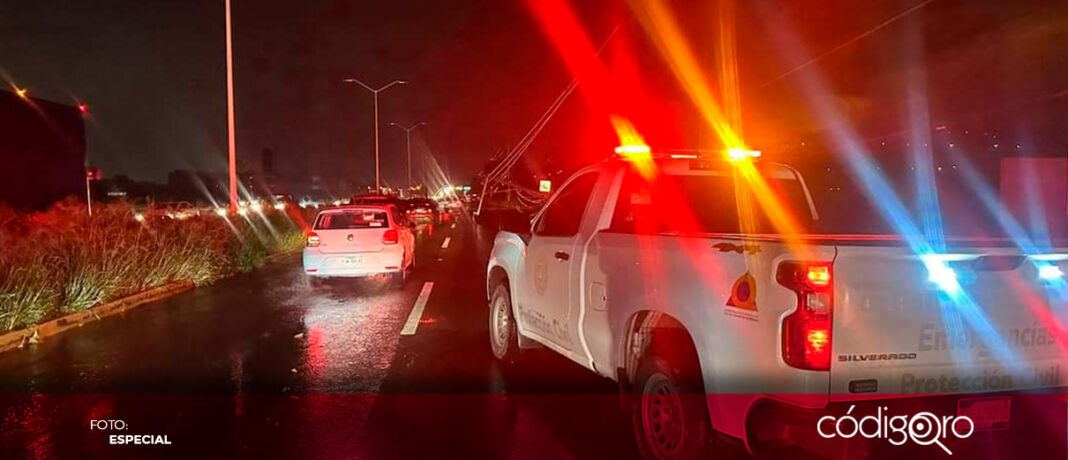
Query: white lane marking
{"type": "Point", "coordinates": [445, 244]}
{"type": "Point", "coordinates": [417, 311]}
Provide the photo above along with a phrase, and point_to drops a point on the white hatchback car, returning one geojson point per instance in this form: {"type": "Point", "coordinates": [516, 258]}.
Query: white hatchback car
{"type": "Point", "coordinates": [360, 240]}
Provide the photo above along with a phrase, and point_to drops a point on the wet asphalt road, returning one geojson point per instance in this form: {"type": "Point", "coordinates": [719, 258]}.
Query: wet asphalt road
{"type": "Point", "coordinates": [264, 365]}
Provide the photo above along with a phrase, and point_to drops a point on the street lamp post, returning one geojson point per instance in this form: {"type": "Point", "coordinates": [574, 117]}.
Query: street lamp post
{"type": "Point", "coordinates": [230, 136]}
{"type": "Point", "coordinates": [408, 141]}
{"type": "Point", "coordinates": [378, 187]}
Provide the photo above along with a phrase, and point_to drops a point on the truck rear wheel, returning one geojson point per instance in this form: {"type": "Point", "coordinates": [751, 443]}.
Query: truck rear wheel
{"type": "Point", "coordinates": [504, 340]}
{"type": "Point", "coordinates": [669, 412]}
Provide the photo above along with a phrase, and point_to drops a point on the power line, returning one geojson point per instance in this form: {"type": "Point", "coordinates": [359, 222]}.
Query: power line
{"type": "Point", "coordinates": [847, 43]}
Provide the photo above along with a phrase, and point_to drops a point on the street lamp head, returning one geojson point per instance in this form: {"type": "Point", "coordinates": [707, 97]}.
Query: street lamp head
{"type": "Point", "coordinates": [402, 82]}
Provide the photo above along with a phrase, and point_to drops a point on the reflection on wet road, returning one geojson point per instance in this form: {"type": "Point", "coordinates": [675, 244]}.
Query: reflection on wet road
{"type": "Point", "coordinates": [264, 364]}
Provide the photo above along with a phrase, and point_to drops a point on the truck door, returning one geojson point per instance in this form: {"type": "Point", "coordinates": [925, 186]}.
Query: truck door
{"type": "Point", "coordinates": [547, 298]}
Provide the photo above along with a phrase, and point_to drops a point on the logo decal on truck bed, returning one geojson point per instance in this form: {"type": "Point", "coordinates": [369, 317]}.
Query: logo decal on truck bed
{"type": "Point", "coordinates": [743, 299]}
{"type": "Point", "coordinates": [743, 293]}
{"type": "Point", "coordinates": [739, 248]}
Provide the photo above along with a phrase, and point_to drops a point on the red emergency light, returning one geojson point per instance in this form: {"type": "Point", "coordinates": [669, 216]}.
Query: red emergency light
{"type": "Point", "coordinates": [644, 152]}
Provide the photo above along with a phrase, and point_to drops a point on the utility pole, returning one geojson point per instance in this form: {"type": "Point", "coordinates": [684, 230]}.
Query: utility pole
{"type": "Point", "coordinates": [231, 137]}
{"type": "Point", "coordinates": [408, 141]}
{"type": "Point", "coordinates": [378, 185]}
{"type": "Point", "coordinates": [91, 173]}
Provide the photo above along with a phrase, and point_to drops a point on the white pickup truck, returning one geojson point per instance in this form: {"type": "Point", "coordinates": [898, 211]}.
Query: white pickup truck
{"type": "Point", "coordinates": [641, 272]}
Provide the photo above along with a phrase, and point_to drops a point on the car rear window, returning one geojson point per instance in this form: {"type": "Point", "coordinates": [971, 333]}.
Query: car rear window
{"type": "Point", "coordinates": [340, 220]}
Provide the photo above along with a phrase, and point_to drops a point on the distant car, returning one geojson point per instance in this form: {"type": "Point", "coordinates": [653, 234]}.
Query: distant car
{"type": "Point", "coordinates": [360, 240]}
{"type": "Point", "coordinates": [281, 202]}
{"type": "Point", "coordinates": [450, 209]}
{"type": "Point", "coordinates": [178, 210]}
{"type": "Point", "coordinates": [375, 199]}
{"type": "Point", "coordinates": [453, 205]}
{"type": "Point", "coordinates": [142, 210]}
{"type": "Point", "coordinates": [422, 210]}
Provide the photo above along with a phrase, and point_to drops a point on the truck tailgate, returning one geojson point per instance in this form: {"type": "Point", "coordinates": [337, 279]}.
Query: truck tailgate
{"type": "Point", "coordinates": [898, 332]}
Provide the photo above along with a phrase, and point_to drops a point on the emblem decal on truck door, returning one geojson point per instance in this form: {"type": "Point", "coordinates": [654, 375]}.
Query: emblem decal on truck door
{"type": "Point", "coordinates": [743, 293]}
{"type": "Point", "coordinates": [541, 277]}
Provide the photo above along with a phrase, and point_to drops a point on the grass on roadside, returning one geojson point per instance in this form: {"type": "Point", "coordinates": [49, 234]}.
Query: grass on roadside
{"type": "Point", "coordinates": [62, 261]}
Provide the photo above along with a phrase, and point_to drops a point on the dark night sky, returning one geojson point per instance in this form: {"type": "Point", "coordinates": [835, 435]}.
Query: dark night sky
{"type": "Point", "coordinates": [480, 72]}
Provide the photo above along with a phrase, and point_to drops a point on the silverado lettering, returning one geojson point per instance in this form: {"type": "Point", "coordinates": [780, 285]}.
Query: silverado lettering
{"type": "Point", "coordinates": [877, 357]}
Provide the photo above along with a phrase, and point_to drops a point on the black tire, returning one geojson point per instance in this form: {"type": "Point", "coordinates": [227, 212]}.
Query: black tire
{"type": "Point", "coordinates": [669, 412]}
{"type": "Point", "coordinates": [315, 281]}
{"type": "Point", "coordinates": [504, 340]}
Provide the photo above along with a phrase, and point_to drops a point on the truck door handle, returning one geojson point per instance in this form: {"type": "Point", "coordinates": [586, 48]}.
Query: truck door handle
{"type": "Point", "coordinates": [562, 256]}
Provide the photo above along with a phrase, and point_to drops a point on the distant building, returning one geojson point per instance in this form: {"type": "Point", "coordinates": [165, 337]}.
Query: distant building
{"type": "Point", "coordinates": [42, 151]}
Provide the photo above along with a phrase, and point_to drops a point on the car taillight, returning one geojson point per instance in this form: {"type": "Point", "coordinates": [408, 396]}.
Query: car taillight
{"type": "Point", "coordinates": [806, 333]}
{"type": "Point", "coordinates": [313, 240]}
{"type": "Point", "coordinates": [390, 237]}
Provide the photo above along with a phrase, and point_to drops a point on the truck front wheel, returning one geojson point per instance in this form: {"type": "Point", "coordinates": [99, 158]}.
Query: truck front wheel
{"type": "Point", "coordinates": [504, 340]}
{"type": "Point", "coordinates": [669, 413]}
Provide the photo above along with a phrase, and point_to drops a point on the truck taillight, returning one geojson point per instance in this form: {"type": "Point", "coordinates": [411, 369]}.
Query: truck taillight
{"type": "Point", "coordinates": [819, 275]}
{"type": "Point", "coordinates": [313, 240]}
{"type": "Point", "coordinates": [390, 237]}
{"type": "Point", "coordinates": [806, 333]}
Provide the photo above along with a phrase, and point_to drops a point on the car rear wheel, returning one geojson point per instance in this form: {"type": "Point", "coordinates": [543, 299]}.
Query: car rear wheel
{"type": "Point", "coordinates": [669, 413]}
{"type": "Point", "coordinates": [504, 341]}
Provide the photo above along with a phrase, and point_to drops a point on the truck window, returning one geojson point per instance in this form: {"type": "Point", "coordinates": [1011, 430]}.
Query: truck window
{"type": "Point", "coordinates": [564, 214]}
{"type": "Point", "coordinates": [703, 203]}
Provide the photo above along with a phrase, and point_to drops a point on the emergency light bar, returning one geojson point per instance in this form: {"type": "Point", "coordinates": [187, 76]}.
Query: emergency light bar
{"type": "Point", "coordinates": [643, 151]}
{"type": "Point", "coordinates": [624, 150]}
{"type": "Point", "coordinates": [742, 154]}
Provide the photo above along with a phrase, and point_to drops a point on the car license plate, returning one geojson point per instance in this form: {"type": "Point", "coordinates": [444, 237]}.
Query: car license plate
{"type": "Point", "coordinates": [986, 413]}
{"type": "Point", "coordinates": [351, 260]}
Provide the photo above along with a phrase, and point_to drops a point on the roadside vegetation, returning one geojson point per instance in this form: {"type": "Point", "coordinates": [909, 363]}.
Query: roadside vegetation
{"type": "Point", "coordinates": [62, 261]}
